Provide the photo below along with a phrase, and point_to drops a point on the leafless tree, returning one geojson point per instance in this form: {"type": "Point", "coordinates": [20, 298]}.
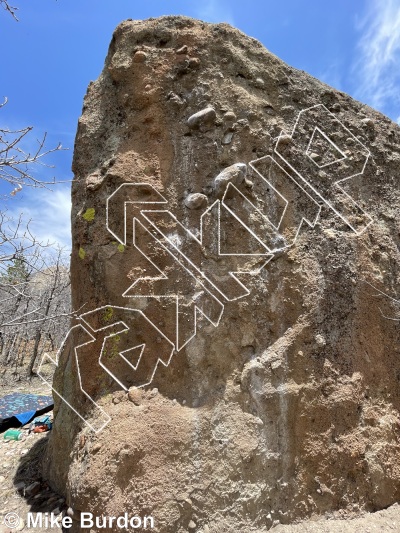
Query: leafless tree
{"type": "Point", "coordinates": [16, 240]}
{"type": "Point", "coordinates": [16, 163]}
{"type": "Point", "coordinates": [11, 9]}
{"type": "Point", "coordinates": [35, 306]}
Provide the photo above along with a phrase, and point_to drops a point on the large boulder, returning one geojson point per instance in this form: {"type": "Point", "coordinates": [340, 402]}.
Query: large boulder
{"type": "Point", "coordinates": [235, 362]}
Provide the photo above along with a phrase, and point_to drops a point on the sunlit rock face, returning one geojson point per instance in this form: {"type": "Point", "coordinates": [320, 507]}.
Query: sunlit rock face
{"type": "Point", "coordinates": [235, 225]}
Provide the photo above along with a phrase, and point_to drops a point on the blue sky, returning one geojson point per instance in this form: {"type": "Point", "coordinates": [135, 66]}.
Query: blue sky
{"type": "Point", "coordinates": [58, 46]}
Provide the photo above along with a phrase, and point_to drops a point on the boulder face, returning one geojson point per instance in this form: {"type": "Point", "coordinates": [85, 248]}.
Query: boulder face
{"type": "Point", "coordinates": [235, 362]}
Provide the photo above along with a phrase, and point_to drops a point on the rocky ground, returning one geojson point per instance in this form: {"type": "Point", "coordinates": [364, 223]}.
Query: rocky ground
{"type": "Point", "coordinates": [22, 488]}
{"type": "Point", "coordinates": [386, 520]}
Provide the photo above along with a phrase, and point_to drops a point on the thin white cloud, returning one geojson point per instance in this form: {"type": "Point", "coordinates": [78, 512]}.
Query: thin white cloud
{"type": "Point", "coordinates": [214, 11]}
{"type": "Point", "coordinates": [49, 214]}
{"type": "Point", "coordinates": [377, 68]}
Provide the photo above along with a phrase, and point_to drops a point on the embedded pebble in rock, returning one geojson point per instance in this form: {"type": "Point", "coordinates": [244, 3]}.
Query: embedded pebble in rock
{"type": "Point", "coordinates": [196, 201]}
{"type": "Point", "coordinates": [194, 62]}
{"type": "Point", "coordinates": [140, 57]}
{"type": "Point", "coordinates": [96, 447]}
{"type": "Point", "coordinates": [182, 50]}
{"type": "Point", "coordinates": [229, 117]}
{"type": "Point", "coordinates": [320, 340]}
{"type": "Point", "coordinates": [234, 174]}
{"type": "Point", "coordinates": [368, 122]}
{"type": "Point", "coordinates": [93, 182]}
{"type": "Point", "coordinates": [206, 116]}
{"type": "Point", "coordinates": [176, 99]}
{"type": "Point", "coordinates": [315, 157]}
{"type": "Point", "coordinates": [285, 139]}
{"type": "Point", "coordinates": [227, 138]}
{"type": "Point", "coordinates": [135, 395]}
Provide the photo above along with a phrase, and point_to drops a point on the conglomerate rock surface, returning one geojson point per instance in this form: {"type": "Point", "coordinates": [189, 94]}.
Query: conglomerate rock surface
{"type": "Point", "coordinates": [267, 397]}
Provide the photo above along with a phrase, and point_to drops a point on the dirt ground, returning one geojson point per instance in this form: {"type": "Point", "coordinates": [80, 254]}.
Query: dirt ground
{"type": "Point", "coordinates": [22, 489]}
{"type": "Point", "coordinates": [20, 468]}
{"type": "Point", "coordinates": [387, 520]}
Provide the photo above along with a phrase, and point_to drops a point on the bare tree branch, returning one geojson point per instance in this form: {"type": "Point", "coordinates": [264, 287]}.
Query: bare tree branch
{"type": "Point", "coordinates": [25, 322]}
{"type": "Point", "coordinates": [11, 9]}
{"type": "Point", "coordinates": [16, 163]}
{"type": "Point", "coordinates": [17, 241]}
{"type": "Point", "coordinates": [35, 305]}
{"type": "Point", "coordinates": [35, 299]}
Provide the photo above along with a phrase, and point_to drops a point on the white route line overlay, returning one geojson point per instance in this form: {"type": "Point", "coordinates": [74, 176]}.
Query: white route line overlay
{"type": "Point", "coordinates": [56, 361]}
{"type": "Point", "coordinates": [88, 329]}
{"type": "Point", "coordinates": [163, 276]}
{"type": "Point", "coordinates": [199, 240]}
{"type": "Point", "coordinates": [310, 223]}
{"type": "Point", "coordinates": [317, 129]}
{"type": "Point", "coordinates": [161, 200]}
{"type": "Point", "coordinates": [125, 327]}
{"type": "Point", "coordinates": [368, 153]}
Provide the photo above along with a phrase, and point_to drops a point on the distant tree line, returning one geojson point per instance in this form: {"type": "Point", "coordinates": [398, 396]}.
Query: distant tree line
{"type": "Point", "coordinates": [35, 307]}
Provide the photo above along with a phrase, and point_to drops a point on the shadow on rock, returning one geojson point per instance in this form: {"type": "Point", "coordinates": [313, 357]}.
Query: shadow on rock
{"type": "Point", "coordinates": [30, 484]}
